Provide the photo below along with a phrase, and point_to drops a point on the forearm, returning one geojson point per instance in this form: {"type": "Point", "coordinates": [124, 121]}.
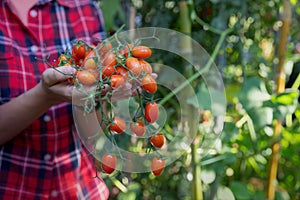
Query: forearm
{"type": "Point", "coordinates": [88, 124]}
{"type": "Point", "coordinates": [21, 111]}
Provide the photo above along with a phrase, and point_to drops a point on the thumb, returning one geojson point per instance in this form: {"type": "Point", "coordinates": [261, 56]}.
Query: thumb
{"type": "Point", "coordinates": [52, 76]}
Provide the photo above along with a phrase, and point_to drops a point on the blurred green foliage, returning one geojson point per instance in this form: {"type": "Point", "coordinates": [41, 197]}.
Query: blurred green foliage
{"type": "Point", "coordinates": [237, 166]}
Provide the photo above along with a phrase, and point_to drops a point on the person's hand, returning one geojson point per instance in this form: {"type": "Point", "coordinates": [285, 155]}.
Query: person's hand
{"type": "Point", "coordinates": [122, 93]}
{"type": "Point", "coordinates": [126, 91]}
{"type": "Point", "coordinates": [56, 85]}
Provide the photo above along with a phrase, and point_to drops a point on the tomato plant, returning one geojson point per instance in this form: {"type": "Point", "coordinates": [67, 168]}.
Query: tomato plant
{"type": "Point", "coordinates": [120, 70]}
{"type": "Point", "coordinates": [90, 64]}
{"type": "Point", "coordinates": [109, 59]}
{"type": "Point", "coordinates": [107, 71]}
{"type": "Point", "coordinates": [157, 140]}
{"type": "Point", "coordinates": [134, 66]}
{"type": "Point", "coordinates": [63, 60]}
{"type": "Point", "coordinates": [118, 126]}
{"type": "Point", "coordinates": [146, 67]}
{"type": "Point", "coordinates": [117, 81]}
{"type": "Point", "coordinates": [106, 65]}
{"type": "Point", "coordinates": [108, 163]}
{"type": "Point", "coordinates": [149, 84]}
{"type": "Point", "coordinates": [78, 53]}
{"type": "Point", "coordinates": [157, 166]}
{"type": "Point", "coordinates": [85, 77]}
{"type": "Point", "coordinates": [151, 112]}
{"type": "Point", "coordinates": [141, 52]}
{"type": "Point", "coordinates": [104, 48]}
{"type": "Point", "coordinates": [138, 128]}
{"type": "Point", "coordinates": [91, 54]}
{"type": "Point", "coordinates": [126, 50]}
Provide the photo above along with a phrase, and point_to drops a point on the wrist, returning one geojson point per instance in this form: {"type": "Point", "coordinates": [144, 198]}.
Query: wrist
{"type": "Point", "coordinates": [45, 95]}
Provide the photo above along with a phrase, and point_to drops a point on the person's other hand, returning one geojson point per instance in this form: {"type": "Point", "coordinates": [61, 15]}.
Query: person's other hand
{"type": "Point", "coordinates": [126, 91]}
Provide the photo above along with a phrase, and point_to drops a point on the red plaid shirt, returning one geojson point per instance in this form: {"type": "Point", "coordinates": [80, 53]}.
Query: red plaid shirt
{"type": "Point", "coordinates": [47, 160]}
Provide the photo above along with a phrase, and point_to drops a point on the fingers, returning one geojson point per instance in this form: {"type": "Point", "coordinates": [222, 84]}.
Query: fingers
{"type": "Point", "coordinates": [51, 76]}
{"type": "Point", "coordinates": [121, 93]}
{"type": "Point", "coordinates": [62, 91]}
{"type": "Point", "coordinates": [105, 88]}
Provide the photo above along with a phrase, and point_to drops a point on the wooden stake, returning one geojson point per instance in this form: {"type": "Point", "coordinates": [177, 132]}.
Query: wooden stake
{"type": "Point", "coordinates": [286, 21]}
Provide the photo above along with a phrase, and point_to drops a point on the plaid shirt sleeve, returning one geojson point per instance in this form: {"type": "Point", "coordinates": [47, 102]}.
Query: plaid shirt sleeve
{"type": "Point", "coordinates": [47, 160]}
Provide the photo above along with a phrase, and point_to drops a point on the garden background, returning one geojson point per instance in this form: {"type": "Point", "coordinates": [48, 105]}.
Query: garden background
{"type": "Point", "coordinates": [256, 47]}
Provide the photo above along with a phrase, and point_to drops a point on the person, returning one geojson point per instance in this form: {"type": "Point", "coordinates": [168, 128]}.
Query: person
{"type": "Point", "coordinates": [41, 156]}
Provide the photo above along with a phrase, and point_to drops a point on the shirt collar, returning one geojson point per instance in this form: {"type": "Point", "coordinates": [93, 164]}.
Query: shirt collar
{"type": "Point", "coordinates": [66, 3]}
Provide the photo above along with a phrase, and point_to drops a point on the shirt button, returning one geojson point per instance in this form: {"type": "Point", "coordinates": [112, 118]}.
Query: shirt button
{"type": "Point", "coordinates": [47, 118]}
{"type": "Point", "coordinates": [54, 193]}
{"type": "Point", "coordinates": [33, 13]}
{"type": "Point", "coordinates": [34, 48]}
{"type": "Point", "coordinates": [47, 157]}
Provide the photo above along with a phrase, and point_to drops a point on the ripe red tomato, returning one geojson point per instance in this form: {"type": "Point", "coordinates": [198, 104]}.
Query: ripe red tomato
{"type": "Point", "coordinates": [107, 71]}
{"type": "Point", "coordinates": [117, 81]}
{"type": "Point", "coordinates": [109, 163]}
{"type": "Point", "coordinates": [141, 52]}
{"type": "Point", "coordinates": [90, 54]}
{"type": "Point", "coordinates": [72, 80]}
{"type": "Point", "coordinates": [95, 73]}
{"type": "Point", "coordinates": [133, 66]}
{"type": "Point", "coordinates": [120, 70]}
{"type": "Point", "coordinates": [157, 166]}
{"type": "Point", "coordinates": [104, 48]}
{"type": "Point", "coordinates": [157, 140]}
{"type": "Point", "coordinates": [109, 59]}
{"type": "Point", "coordinates": [78, 52]}
{"type": "Point", "coordinates": [151, 112]}
{"type": "Point", "coordinates": [146, 67]}
{"type": "Point", "coordinates": [118, 126]}
{"type": "Point", "coordinates": [138, 128]}
{"type": "Point", "coordinates": [85, 77]}
{"type": "Point", "coordinates": [149, 84]}
{"type": "Point", "coordinates": [91, 48]}
{"type": "Point", "coordinates": [90, 64]}
{"type": "Point", "coordinates": [126, 50]}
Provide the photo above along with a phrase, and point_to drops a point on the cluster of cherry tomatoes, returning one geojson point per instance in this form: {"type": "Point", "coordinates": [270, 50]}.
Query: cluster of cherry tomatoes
{"type": "Point", "coordinates": [104, 65]}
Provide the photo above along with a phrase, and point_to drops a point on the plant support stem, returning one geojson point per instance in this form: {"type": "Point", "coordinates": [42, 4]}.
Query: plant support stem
{"type": "Point", "coordinates": [286, 20]}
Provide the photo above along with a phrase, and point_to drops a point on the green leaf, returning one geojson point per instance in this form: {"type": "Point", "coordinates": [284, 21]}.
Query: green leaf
{"type": "Point", "coordinates": [261, 116]}
{"type": "Point", "coordinates": [208, 176]}
{"type": "Point", "coordinates": [282, 195]}
{"type": "Point", "coordinates": [202, 98]}
{"type": "Point", "coordinates": [253, 93]}
{"type": "Point", "coordinates": [208, 99]}
{"type": "Point", "coordinates": [288, 97]}
{"type": "Point", "coordinates": [224, 193]}
{"type": "Point", "coordinates": [240, 190]}
{"type": "Point", "coordinates": [110, 9]}
{"type": "Point", "coordinates": [293, 2]}
{"type": "Point", "coordinates": [297, 113]}
{"type": "Point", "coordinates": [134, 191]}
{"type": "Point", "coordinates": [232, 92]}
{"type": "Point", "coordinates": [254, 164]}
